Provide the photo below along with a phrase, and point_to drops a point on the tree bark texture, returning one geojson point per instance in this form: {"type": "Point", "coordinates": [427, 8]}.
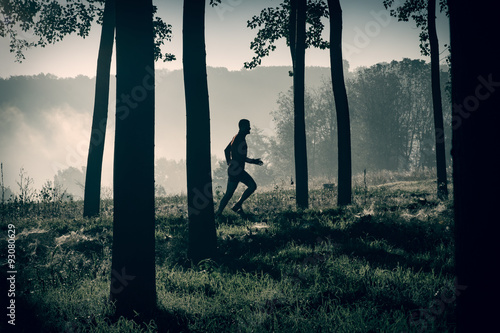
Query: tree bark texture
{"type": "Point", "coordinates": [92, 195]}
{"type": "Point", "coordinates": [133, 258]}
{"type": "Point", "coordinates": [442, 181]}
{"type": "Point", "coordinates": [475, 74]}
{"type": "Point", "coordinates": [202, 232]}
{"type": "Point", "coordinates": [298, 23]}
{"type": "Point", "coordinates": [341, 104]}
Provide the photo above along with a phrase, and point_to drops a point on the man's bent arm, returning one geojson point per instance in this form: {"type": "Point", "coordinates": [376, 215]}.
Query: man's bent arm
{"type": "Point", "coordinates": [253, 161]}
{"type": "Point", "coordinates": [227, 153]}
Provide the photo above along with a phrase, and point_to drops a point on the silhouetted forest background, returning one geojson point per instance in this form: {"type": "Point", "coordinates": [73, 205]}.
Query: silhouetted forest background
{"type": "Point", "coordinates": [397, 94]}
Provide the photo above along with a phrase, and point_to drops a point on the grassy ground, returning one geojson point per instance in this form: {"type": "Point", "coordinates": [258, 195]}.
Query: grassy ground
{"type": "Point", "coordinates": [382, 264]}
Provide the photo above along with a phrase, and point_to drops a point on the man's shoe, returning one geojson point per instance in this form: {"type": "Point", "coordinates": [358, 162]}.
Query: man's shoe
{"type": "Point", "coordinates": [237, 209]}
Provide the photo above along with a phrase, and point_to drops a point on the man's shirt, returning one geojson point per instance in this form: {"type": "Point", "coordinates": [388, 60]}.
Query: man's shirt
{"type": "Point", "coordinates": [236, 152]}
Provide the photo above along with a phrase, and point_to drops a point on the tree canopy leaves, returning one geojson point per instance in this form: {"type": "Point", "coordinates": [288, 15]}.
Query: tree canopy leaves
{"type": "Point", "coordinates": [38, 23]}
{"type": "Point", "coordinates": [417, 11]}
{"type": "Point", "coordinates": [273, 24]}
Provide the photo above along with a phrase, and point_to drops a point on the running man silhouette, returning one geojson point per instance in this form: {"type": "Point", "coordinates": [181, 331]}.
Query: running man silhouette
{"type": "Point", "coordinates": [236, 157]}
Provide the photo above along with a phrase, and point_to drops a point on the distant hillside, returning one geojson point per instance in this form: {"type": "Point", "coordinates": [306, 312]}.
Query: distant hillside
{"type": "Point", "coordinates": [45, 121]}
{"type": "Point", "coordinates": [233, 95]}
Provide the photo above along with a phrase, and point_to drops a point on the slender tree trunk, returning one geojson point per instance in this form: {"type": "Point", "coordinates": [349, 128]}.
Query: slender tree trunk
{"type": "Point", "coordinates": [475, 73]}
{"type": "Point", "coordinates": [1, 182]}
{"type": "Point", "coordinates": [202, 233]}
{"type": "Point", "coordinates": [293, 29]}
{"type": "Point", "coordinates": [341, 104]}
{"type": "Point", "coordinates": [133, 258]}
{"type": "Point", "coordinates": [331, 171]}
{"type": "Point", "coordinates": [92, 196]}
{"type": "Point", "coordinates": [442, 187]}
{"type": "Point", "coordinates": [298, 23]}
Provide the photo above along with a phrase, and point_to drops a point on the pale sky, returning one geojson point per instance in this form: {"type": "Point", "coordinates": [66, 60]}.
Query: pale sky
{"type": "Point", "coordinates": [369, 36]}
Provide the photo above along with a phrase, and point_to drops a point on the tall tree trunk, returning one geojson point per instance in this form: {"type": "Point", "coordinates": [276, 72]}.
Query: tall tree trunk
{"type": "Point", "coordinates": [442, 187]}
{"type": "Point", "coordinates": [475, 73]}
{"type": "Point", "coordinates": [202, 233]}
{"type": "Point", "coordinates": [133, 258]}
{"type": "Point", "coordinates": [92, 196]}
{"type": "Point", "coordinates": [298, 26]}
{"type": "Point", "coordinates": [293, 29]}
{"type": "Point", "coordinates": [341, 104]}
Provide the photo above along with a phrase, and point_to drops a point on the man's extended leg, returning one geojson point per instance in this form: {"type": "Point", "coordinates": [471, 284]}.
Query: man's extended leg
{"type": "Point", "coordinates": [231, 187]}
{"type": "Point", "coordinates": [252, 186]}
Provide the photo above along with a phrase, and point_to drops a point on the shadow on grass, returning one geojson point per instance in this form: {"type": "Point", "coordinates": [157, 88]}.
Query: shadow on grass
{"type": "Point", "coordinates": [402, 242]}
{"type": "Point", "coordinates": [330, 233]}
{"type": "Point", "coordinates": [165, 321]}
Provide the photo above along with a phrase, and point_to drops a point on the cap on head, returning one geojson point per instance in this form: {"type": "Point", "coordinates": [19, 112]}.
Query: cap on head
{"type": "Point", "coordinates": [243, 123]}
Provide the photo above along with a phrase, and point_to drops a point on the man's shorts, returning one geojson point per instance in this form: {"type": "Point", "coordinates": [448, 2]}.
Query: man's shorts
{"type": "Point", "coordinates": [239, 176]}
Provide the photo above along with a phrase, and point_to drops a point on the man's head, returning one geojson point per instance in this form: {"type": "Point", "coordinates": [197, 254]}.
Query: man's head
{"type": "Point", "coordinates": [244, 126]}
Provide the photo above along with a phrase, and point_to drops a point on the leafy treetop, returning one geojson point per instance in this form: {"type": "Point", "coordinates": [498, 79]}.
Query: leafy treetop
{"type": "Point", "coordinates": [38, 23]}
{"type": "Point", "coordinates": [416, 10]}
{"type": "Point", "coordinates": [273, 24]}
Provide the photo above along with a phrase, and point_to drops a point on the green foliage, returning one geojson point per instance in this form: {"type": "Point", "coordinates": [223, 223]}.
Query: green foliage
{"type": "Point", "coordinates": [50, 201]}
{"type": "Point", "coordinates": [36, 23]}
{"type": "Point", "coordinates": [26, 193]}
{"type": "Point", "coordinates": [382, 264]}
{"type": "Point", "coordinates": [321, 133]}
{"type": "Point", "coordinates": [392, 96]}
{"type": "Point", "coordinates": [49, 21]}
{"type": "Point", "coordinates": [163, 32]}
{"type": "Point", "coordinates": [417, 11]}
{"type": "Point", "coordinates": [274, 24]}
{"type": "Point", "coordinates": [396, 97]}
{"type": "Point", "coordinates": [72, 180]}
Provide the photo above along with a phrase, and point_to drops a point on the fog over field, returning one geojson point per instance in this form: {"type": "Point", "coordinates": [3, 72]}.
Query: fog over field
{"type": "Point", "coordinates": [45, 120]}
